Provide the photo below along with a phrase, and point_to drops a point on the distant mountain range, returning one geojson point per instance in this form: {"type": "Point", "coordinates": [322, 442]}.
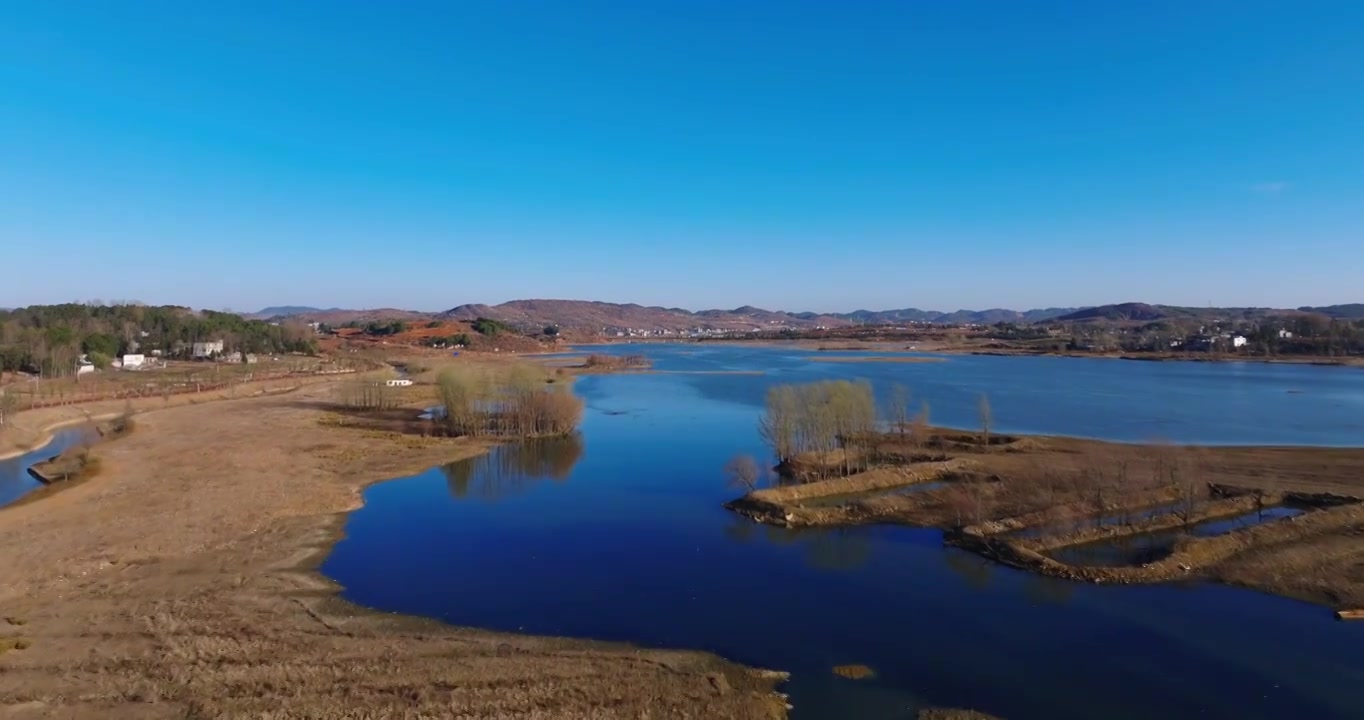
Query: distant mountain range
{"type": "Point", "coordinates": [336, 316]}
{"type": "Point", "coordinates": [590, 316]}
{"type": "Point", "coordinates": [1142, 312]}
{"type": "Point", "coordinates": [280, 311]}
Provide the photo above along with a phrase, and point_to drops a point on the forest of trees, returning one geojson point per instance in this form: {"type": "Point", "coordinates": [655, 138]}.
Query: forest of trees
{"type": "Point", "coordinates": [49, 339]}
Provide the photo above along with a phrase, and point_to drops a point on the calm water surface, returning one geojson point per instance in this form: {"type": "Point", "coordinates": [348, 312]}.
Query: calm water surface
{"type": "Point", "coordinates": [15, 481]}
{"type": "Point", "coordinates": [619, 535]}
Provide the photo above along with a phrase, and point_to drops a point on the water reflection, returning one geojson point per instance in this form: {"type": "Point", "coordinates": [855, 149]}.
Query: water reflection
{"type": "Point", "coordinates": [972, 568]}
{"type": "Point", "coordinates": [837, 549]}
{"type": "Point", "coordinates": [1043, 590]}
{"type": "Point", "coordinates": [513, 469]}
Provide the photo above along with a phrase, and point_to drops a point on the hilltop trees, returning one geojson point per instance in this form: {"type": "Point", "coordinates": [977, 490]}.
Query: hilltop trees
{"type": "Point", "coordinates": [489, 327]}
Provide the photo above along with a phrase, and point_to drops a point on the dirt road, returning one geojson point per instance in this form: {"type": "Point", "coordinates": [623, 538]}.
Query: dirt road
{"type": "Point", "coordinates": [180, 583]}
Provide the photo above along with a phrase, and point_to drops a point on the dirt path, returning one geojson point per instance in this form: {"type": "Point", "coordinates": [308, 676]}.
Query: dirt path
{"type": "Point", "coordinates": [180, 583]}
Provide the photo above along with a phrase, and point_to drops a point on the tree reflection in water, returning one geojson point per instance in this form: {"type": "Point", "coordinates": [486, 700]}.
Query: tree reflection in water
{"type": "Point", "coordinates": [974, 569]}
{"type": "Point", "coordinates": [513, 469]}
{"type": "Point", "coordinates": [839, 549]}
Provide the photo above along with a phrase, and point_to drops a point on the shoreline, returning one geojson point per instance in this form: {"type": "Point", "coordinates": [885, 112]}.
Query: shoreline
{"type": "Point", "coordinates": [242, 542]}
{"type": "Point", "coordinates": [49, 433]}
{"type": "Point", "coordinates": [932, 347]}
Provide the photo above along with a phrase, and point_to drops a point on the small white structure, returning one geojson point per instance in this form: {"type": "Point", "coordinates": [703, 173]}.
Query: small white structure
{"type": "Point", "coordinates": [1285, 335]}
{"type": "Point", "coordinates": [400, 382]}
{"type": "Point", "coordinates": [83, 366]}
{"type": "Point", "coordinates": [1239, 341]}
{"type": "Point", "coordinates": [133, 362]}
{"type": "Point", "coordinates": [206, 349]}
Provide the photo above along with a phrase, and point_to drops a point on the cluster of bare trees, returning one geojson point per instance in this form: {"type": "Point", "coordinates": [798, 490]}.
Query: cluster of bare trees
{"type": "Point", "coordinates": [518, 400]}
{"type": "Point", "coordinates": [820, 418]}
{"type": "Point", "coordinates": [369, 395]}
{"type": "Point", "coordinates": [611, 362]}
{"type": "Point", "coordinates": [1119, 491]}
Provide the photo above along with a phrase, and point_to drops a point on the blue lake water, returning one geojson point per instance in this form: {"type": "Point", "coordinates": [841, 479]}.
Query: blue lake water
{"type": "Point", "coordinates": [620, 535]}
{"type": "Point", "coordinates": [15, 482]}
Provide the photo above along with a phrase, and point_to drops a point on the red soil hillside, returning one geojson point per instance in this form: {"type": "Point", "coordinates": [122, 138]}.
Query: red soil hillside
{"type": "Point", "coordinates": [419, 334]}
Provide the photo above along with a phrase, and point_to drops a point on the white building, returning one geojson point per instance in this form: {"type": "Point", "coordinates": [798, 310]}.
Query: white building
{"type": "Point", "coordinates": [206, 349]}
{"type": "Point", "coordinates": [1285, 335]}
{"type": "Point", "coordinates": [400, 382]}
{"type": "Point", "coordinates": [133, 362]}
{"type": "Point", "coordinates": [1239, 341]}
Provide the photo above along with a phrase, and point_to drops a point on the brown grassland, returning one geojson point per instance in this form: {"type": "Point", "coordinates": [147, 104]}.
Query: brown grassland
{"type": "Point", "coordinates": [181, 582]}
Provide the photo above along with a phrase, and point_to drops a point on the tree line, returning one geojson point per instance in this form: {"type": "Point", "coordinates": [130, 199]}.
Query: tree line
{"type": "Point", "coordinates": [49, 339]}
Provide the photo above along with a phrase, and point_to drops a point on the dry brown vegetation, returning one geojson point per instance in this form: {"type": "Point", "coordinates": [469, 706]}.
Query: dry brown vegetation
{"type": "Point", "coordinates": [1065, 491]}
{"type": "Point", "coordinates": [615, 362]}
{"type": "Point", "coordinates": [181, 583]}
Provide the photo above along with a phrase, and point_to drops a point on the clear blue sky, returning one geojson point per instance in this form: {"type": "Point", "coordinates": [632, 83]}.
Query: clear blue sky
{"type": "Point", "coordinates": [789, 154]}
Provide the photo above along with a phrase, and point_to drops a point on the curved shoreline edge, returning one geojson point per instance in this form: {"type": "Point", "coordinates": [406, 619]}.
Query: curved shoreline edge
{"type": "Point", "coordinates": [49, 433]}
{"type": "Point", "coordinates": [285, 553]}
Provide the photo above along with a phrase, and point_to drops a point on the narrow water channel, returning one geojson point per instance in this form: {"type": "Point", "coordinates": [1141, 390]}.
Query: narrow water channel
{"type": "Point", "coordinates": [1143, 548]}
{"type": "Point", "coordinates": [15, 480]}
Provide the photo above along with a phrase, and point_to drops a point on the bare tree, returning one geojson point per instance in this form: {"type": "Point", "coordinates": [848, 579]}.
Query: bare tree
{"type": "Point", "coordinates": [1266, 493]}
{"type": "Point", "coordinates": [778, 423]}
{"type": "Point", "coordinates": [1125, 493]}
{"type": "Point", "coordinates": [1187, 489]}
{"type": "Point", "coordinates": [743, 472]}
{"type": "Point", "coordinates": [899, 408]}
{"type": "Point", "coordinates": [919, 432]}
{"type": "Point", "coordinates": [986, 417]}
{"type": "Point", "coordinates": [9, 405]}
